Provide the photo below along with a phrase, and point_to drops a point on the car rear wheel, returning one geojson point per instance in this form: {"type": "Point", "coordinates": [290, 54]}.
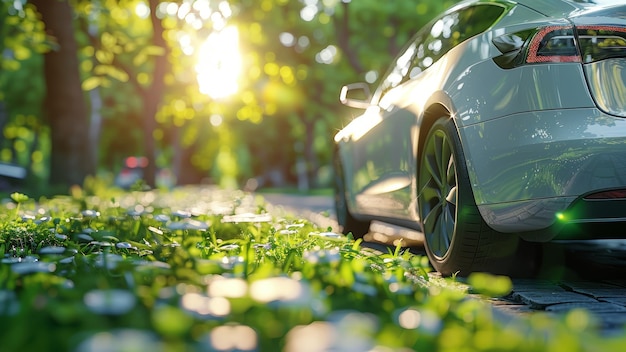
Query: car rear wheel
{"type": "Point", "coordinates": [358, 228]}
{"type": "Point", "coordinates": [457, 240]}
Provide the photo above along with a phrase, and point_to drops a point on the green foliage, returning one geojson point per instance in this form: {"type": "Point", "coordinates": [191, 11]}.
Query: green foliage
{"type": "Point", "coordinates": [19, 197]}
{"type": "Point", "coordinates": [21, 33]}
{"type": "Point", "coordinates": [207, 269]}
{"type": "Point", "coordinates": [22, 40]}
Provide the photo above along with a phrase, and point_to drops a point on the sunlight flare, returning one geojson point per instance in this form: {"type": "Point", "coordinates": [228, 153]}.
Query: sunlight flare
{"type": "Point", "coordinates": [219, 64]}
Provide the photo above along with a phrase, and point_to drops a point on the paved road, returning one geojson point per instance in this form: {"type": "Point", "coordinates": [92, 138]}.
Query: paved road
{"type": "Point", "coordinates": [572, 274]}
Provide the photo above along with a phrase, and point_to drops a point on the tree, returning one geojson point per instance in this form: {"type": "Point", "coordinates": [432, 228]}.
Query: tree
{"type": "Point", "coordinates": [128, 48]}
{"type": "Point", "coordinates": [64, 106]}
{"type": "Point", "coordinates": [22, 39]}
{"type": "Point", "coordinates": [153, 94]}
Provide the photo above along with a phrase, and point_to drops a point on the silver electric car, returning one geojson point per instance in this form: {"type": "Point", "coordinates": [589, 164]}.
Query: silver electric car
{"type": "Point", "coordinates": [500, 122]}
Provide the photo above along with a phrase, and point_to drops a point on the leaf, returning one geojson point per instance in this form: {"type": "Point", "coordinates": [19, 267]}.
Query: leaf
{"type": "Point", "coordinates": [171, 321]}
{"type": "Point", "coordinates": [154, 50]}
{"type": "Point", "coordinates": [140, 59]}
{"type": "Point", "coordinates": [91, 83]}
{"type": "Point", "coordinates": [111, 71]}
{"type": "Point", "coordinates": [118, 74]}
{"type": "Point", "coordinates": [100, 70]}
{"type": "Point", "coordinates": [21, 52]}
{"type": "Point", "coordinates": [19, 197]}
{"type": "Point", "coordinates": [490, 285]}
{"type": "Point", "coordinates": [104, 56]}
{"type": "Point", "coordinates": [108, 40]}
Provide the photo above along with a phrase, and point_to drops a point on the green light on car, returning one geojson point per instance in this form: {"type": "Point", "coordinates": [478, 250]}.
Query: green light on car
{"type": "Point", "coordinates": [560, 216]}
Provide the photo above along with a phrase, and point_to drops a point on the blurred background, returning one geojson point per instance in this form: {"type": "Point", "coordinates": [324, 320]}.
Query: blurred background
{"type": "Point", "coordinates": [239, 93]}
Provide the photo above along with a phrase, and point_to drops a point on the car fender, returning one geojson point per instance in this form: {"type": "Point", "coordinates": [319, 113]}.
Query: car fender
{"type": "Point", "coordinates": [439, 104]}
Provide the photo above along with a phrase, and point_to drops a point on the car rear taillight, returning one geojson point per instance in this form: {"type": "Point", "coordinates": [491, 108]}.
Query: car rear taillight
{"type": "Point", "coordinates": [134, 162]}
{"type": "Point", "coordinates": [553, 44]}
{"type": "Point", "coordinates": [560, 43]}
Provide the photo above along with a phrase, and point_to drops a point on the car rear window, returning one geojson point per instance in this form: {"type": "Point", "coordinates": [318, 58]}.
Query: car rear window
{"type": "Point", "coordinates": [452, 30]}
{"type": "Point", "coordinates": [436, 39]}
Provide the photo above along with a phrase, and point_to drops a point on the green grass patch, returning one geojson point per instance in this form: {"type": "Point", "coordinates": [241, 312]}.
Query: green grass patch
{"type": "Point", "coordinates": [202, 269]}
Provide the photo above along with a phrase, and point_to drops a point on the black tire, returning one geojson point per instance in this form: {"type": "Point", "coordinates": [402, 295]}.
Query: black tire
{"type": "Point", "coordinates": [457, 239]}
{"type": "Point", "coordinates": [349, 224]}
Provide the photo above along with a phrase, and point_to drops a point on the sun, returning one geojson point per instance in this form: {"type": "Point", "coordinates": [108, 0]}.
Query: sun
{"type": "Point", "coordinates": [219, 64]}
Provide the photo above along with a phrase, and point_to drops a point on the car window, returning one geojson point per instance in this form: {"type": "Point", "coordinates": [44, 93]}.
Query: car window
{"type": "Point", "coordinates": [436, 39]}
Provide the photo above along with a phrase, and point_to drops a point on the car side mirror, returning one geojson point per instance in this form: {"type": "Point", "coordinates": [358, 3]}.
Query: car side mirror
{"type": "Point", "coordinates": [356, 95]}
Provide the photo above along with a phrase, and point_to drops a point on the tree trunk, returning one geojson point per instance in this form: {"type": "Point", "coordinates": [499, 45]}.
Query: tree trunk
{"type": "Point", "coordinates": [64, 108]}
{"type": "Point", "coordinates": [342, 27]}
{"type": "Point", "coordinates": [182, 167]}
{"type": "Point", "coordinates": [96, 123]}
{"type": "Point", "coordinates": [152, 96]}
{"type": "Point", "coordinates": [96, 109]}
{"type": "Point", "coordinates": [4, 120]}
{"type": "Point", "coordinates": [309, 152]}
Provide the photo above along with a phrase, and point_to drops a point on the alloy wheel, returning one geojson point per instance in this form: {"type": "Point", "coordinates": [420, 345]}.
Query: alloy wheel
{"type": "Point", "coordinates": [438, 200]}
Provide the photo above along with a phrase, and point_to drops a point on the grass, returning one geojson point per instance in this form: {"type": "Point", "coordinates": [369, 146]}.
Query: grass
{"type": "Point", "coordinates": [202, 269]}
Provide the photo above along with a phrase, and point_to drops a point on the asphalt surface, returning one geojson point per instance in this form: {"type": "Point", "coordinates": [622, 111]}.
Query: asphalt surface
{"type": "Point", "coordinates": [568, 274]}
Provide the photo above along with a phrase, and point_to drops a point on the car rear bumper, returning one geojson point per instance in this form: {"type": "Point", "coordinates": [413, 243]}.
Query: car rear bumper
{"type": "Point", "coordinates": [547, 219]}
{"type": "Point", "coordinates": [527, 168]}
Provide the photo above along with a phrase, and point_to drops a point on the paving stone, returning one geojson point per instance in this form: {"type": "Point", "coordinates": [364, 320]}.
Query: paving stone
{"type": "Point", "coordinates": [505, 311]}
{"type": "Point", "coordinates": [513, 308]}
{"type": "Point", "coordinates": [615, 300]}
{"type": "Point", "coordinates": [543, 298]}
{"type": "Point", "coordinates": [526, 286]}
{"type": "Point", "coordinates": [589, 285]}
{"type": "Point", "coordinates": [593, 307]}
{"type": "Point", "coordinates": [602, 292]}
{"type": "Point", "coordinates": [596, 289]}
